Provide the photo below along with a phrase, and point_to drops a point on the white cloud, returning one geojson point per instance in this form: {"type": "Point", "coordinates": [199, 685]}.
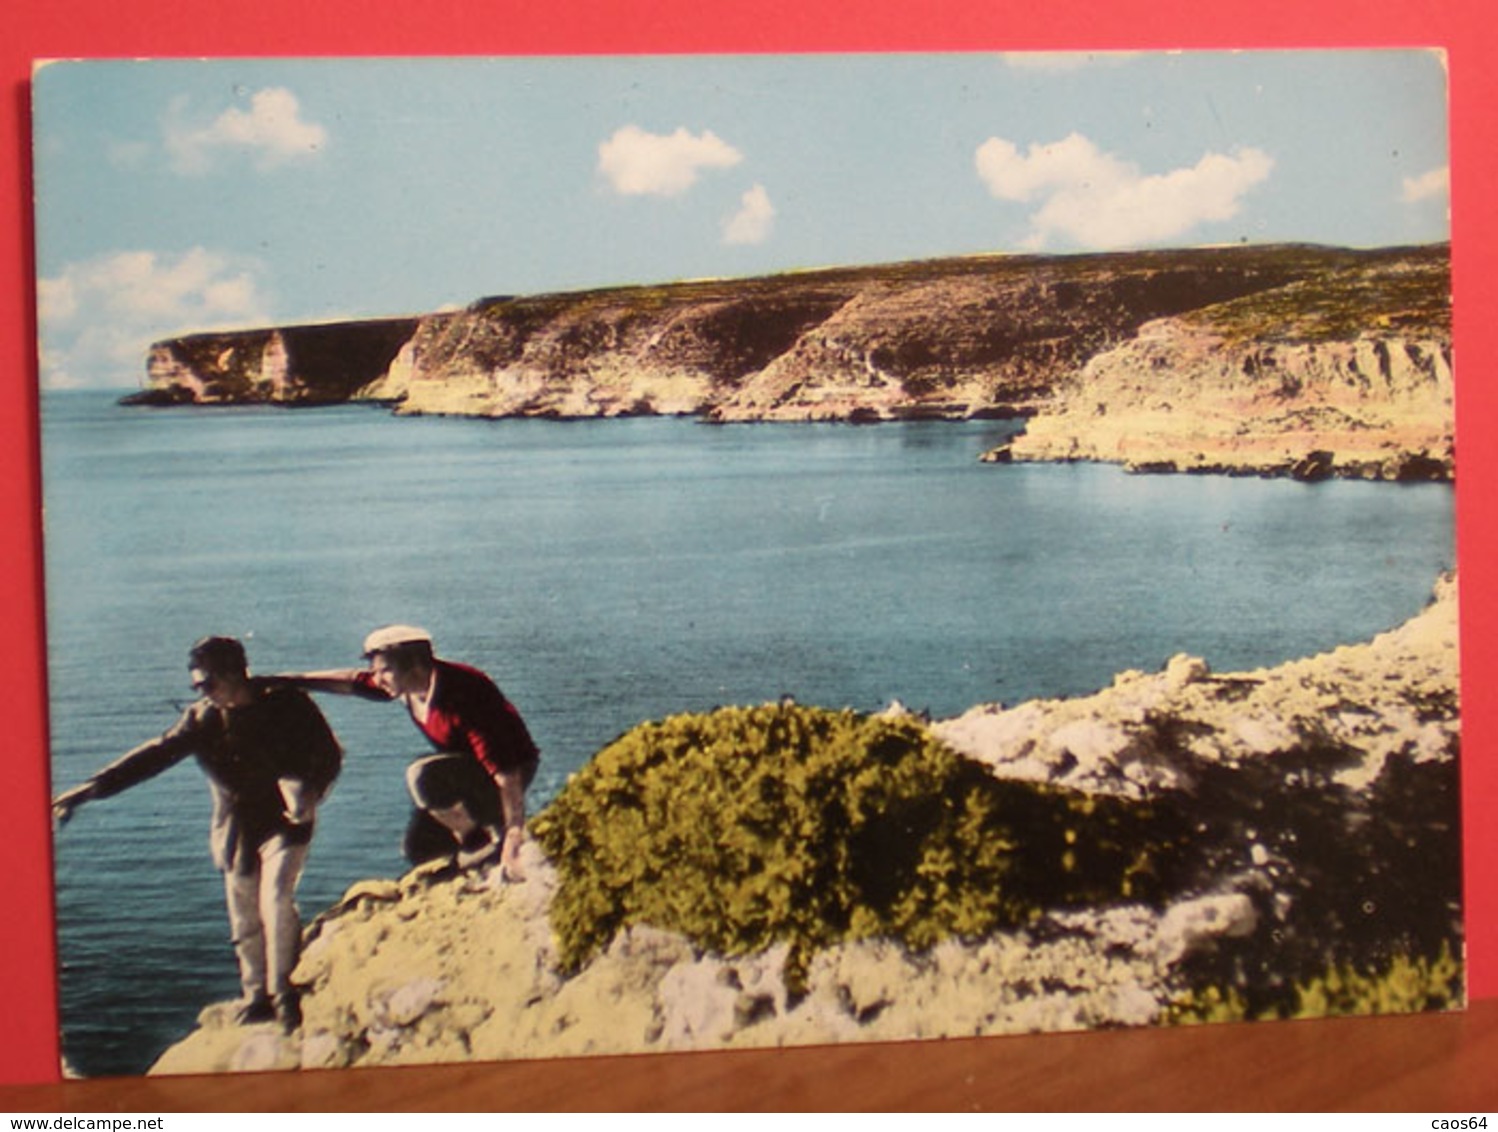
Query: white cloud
{"type": "Point", "coordinates": [751, 224]}
{"type": "Point", "coordinates": [636, 162]}
{"type": "Point", "coordinates": [1098, 200]}
{"type": "Point", "coordinates": [1433, 184]}
{"type": "Point", "coordinates": [1061, 62]}
{"type": "Point", "coordinates": [97, 318]}
{"type": "Point", "coordinates": [271, 130]}
{"type": "Point", "coordinates": [1011, 175]}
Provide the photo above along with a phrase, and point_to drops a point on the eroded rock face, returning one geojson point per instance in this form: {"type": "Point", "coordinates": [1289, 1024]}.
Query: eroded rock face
{"type": "Point", "coordinates": [1273, 360]}
{"type": "Point", "coordinates": [294, 365]}
{"type": "Point", "coordinates": [1324, 797]}
{"type": "Point", "coordinates": [1182, 397]}
{"type": "Point", "coordinates": [1345, 374]}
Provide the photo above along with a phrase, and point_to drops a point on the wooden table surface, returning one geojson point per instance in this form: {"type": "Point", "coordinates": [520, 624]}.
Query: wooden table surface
{"type": "Point", "coordinates": [1439, 1063]}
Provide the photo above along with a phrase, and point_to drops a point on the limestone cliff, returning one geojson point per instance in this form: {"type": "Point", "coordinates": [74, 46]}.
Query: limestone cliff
{"type": "Point", "coordinates": [1238, 357]}
{"type": "Point", "coordinates": [1350, 374]}
{"type": "Point", "coordinates": [1323, 793]}
{"type": "Point", "coordinates": [945, 338]}
{"type": "Point", "coordinates": [291, 365]}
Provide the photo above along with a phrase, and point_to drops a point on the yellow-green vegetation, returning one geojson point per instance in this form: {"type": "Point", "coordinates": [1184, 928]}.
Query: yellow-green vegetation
{"type": "Point", "coordinates": [1403, 986]}
{"type": "Point", "coordinates": [1207, 1004]}
{"type": "Point", "coordinates": [747, 827]}
{"type": "Point", "coordinates": [1406, 294]}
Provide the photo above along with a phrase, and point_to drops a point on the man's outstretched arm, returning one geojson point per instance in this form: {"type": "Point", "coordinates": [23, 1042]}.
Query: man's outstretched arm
{"type": "Point", "coordinates": [137, 765]}
{"type": "Point", "coordinates": [339, 681]}
{"type": "Point", "coordinates": [69, 800]}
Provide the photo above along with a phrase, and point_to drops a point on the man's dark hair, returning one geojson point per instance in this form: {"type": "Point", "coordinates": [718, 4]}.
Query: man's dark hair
{"type": "Point", "coordinates": [223, 656]}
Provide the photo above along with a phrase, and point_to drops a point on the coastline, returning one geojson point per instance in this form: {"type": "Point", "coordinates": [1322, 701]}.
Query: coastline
{"type": "Point", "coordinates": [1286, 360]}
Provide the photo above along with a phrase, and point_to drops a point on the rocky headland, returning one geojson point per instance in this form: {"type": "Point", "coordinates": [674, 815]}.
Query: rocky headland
{"type": "Point", "coordinates": [1346, 375]}
{"type": "Point", "coordinates": [1274, 360]}
{"type": "Point", "coordinates": [1302, 857]}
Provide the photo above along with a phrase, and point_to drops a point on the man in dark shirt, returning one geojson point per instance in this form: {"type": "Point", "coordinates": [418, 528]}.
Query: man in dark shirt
{"type": "Point", "coordinates": [269, 757]}
{"type": "Point", "coordinates": [470, 796]}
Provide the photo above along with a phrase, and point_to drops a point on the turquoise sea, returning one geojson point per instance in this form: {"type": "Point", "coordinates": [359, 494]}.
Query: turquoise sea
{"type": "Point", "coordinates": [607, 572]}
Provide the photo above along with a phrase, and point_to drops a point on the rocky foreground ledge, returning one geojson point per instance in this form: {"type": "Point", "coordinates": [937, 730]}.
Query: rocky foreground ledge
{"type": "Point", "coordinates": [1267, 360]}
{"type": "Point", "coordinates": [1315, 815]}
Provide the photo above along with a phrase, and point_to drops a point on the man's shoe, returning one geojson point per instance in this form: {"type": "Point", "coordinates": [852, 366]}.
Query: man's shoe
{"type": "Point", "coordinates": [481, 848]}
{"type": "Point", "coordinates": [259, 1009]}
{"type": "Point", "coordinates": [288, 1011]}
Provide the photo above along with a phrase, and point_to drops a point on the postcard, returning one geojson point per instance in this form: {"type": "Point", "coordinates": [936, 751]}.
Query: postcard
{"type": "Point", "coordinates": [557, 556]}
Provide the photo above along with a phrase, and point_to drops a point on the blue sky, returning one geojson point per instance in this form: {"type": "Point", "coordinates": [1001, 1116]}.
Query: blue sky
{"type": "Point", "coordinates": [175, 196]}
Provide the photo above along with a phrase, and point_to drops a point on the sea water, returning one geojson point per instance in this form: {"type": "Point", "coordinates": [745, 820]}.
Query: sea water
{"type": "Point", "coordinates": [605, 573]}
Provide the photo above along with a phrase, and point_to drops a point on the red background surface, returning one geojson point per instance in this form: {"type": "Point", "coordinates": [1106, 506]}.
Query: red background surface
{"type": "Point", "coordinates": [32, 29]}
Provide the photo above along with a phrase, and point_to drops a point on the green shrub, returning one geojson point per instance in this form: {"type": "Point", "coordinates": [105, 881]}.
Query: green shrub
{"type": "Point", "coordinates": [1207, 1004]}
{"type": "Point", "coordinates": [746, 827]}
{"type": "Point", "coordinates": [1403, 986]}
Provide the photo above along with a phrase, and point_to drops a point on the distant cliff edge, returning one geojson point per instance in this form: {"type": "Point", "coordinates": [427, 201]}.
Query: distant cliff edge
{"type": "Point", "coordinates": [1287, 359]}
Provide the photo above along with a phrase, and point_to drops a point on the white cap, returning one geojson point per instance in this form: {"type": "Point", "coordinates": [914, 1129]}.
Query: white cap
{"type": "Point", "coordinates": [389, 636]}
